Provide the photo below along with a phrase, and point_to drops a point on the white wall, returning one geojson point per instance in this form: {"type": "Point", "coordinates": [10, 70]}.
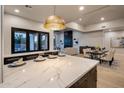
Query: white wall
{"type": "Point", "coordinates": [92, 39]}
{"type": "Point", "coordinates": [109, 35]}
{"type": "Point", "coordinates": [0, 47]}
{"type": "Point", "coordinates": [102, 39]}
{"type": "Point", "coordinates": [15, 21]}
{"type": "Point", "coordinates": [96, 36]}
{"type": "Point", "coordinates": [76, 34]}
{"type": "Point", "coordinates": [59, 36]}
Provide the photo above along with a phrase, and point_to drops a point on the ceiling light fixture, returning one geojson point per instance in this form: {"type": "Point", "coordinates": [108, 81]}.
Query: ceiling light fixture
{"type": "Point", "coordinates": [54, 22]}
{"type": "Point", "coordinates": [81, 8]}
{"type": "Point", "coordinates": [16, 10]}
{"type": "Point", "coordinates": [102, 18]}
{"type": "Point", "coordinates": [110, 30]}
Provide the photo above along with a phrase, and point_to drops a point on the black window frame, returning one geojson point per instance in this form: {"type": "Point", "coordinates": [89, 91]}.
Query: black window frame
{"type": "Point", "coordinates": [27, 31]}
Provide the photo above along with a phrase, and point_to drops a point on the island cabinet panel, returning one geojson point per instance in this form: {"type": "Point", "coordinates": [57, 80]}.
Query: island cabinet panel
{"type": "Point", "coordinates": [89, 80]}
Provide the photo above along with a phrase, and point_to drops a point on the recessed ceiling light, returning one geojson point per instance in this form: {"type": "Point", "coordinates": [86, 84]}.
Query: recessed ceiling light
{"type": "Point", "coordinates": [81, 8]}
{"type": "Point", "coordinates": [80, 19]}
{"type": "Point", "coordinates": [102, 18]}
{"type": "Point", "coordinates": [110, 30]}
{"type": "Point", "coordinates": [16, 10]}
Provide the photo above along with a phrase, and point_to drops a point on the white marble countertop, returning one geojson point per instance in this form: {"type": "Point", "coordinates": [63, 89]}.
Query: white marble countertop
{"type": "Point", "coordinates": [58, 73]}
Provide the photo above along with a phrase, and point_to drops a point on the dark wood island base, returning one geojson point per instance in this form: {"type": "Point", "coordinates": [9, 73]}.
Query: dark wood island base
{"type": "Point", "coordinates": [89, 80]}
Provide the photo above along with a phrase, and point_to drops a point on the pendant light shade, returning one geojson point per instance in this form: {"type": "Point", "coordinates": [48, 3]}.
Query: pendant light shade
{"type": "Point", "coordinates": [54, 22]}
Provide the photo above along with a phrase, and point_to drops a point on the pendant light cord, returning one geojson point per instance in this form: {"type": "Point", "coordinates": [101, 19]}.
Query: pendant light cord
{"type": "Point", "coordinates": [54, 9]}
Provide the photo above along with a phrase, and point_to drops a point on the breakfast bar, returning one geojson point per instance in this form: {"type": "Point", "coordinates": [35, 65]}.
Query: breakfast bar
{"type": "Point", "coordinates": [61, 72]}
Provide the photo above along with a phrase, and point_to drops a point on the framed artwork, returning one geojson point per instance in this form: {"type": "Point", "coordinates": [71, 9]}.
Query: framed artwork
{"type": "Point", "coordinates": [117, 42]}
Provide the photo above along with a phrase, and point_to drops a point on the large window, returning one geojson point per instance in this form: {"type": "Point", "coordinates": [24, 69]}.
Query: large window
{"type": "Point", "coordinates": [33, 41]}
{"type": "Point", "coordinates": [44, 41]}
{"type": "Point", "coordinates": [20, 41]}
{"type": "Point", "coordinates": [24, 40]}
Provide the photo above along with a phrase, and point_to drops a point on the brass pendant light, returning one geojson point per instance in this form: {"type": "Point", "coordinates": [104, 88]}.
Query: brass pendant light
{"type": "Point", "coordinates": [54, 22]}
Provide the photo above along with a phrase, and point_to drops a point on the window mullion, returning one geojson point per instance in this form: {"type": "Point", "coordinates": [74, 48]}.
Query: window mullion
{"type": "Point", "coordinates": [27, 42]}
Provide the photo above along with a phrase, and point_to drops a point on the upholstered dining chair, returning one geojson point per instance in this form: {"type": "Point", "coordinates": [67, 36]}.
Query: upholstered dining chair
{"type": "Point", "coordinates": [85, 53]}
{"type": "Point", "coordinates": [109, 57]}
{"type": "Point", "coordinates": [71, 51]}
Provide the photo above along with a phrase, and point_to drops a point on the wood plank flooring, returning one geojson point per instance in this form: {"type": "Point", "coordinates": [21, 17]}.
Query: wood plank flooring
{"type": "Point", "coordinates": [111, 77]}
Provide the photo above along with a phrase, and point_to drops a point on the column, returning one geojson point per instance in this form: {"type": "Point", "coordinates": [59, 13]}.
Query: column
{"type": "Point", "coordinates": [51, 40]}
{"type": "Point", "coordinates": [1, 60]}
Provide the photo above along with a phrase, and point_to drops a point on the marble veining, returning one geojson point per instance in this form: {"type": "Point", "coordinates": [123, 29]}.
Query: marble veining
{"type": "Point", "coordinates": [58, 73]}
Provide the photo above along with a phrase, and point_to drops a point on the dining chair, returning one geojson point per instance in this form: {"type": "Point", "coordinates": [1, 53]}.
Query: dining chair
{"type": "Point", "coordinates": [71, 51]}
{"type": "Point", "coordinates": [109, 57]}
{"type": "Point", "coordinates": [87, 55]}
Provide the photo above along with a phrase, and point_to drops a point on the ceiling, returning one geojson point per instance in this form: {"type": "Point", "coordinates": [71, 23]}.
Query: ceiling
{"type": "Point", "coordinates": [90, 15]}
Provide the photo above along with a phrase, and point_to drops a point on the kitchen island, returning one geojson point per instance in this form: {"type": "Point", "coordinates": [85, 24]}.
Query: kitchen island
{"type": "Point", "coordinates": [62, 72]}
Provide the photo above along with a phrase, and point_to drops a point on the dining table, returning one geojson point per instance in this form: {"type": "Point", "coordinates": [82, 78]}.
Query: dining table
{"type": "Point", "coordinates": [97, 54]}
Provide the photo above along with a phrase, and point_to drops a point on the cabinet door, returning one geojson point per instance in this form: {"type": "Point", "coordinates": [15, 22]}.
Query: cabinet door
{"type": "Point", "coordinates": [87, 81]}
{"type": "Point", "coordinates": [82, 83]}
{"type": "Point", "coordinates": [92, 78]}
